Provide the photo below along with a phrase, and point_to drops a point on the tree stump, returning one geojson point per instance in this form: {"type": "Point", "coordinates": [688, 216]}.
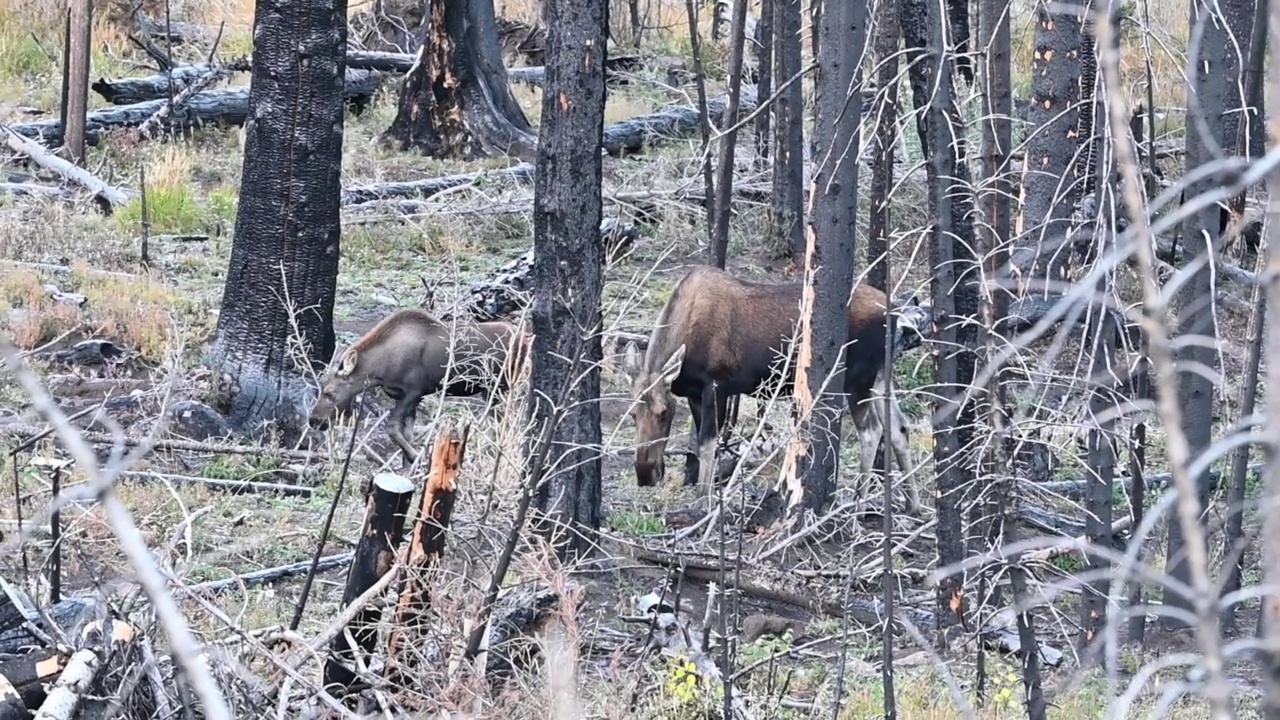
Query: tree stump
{"type": "Point", "coordinates": [385, 512]}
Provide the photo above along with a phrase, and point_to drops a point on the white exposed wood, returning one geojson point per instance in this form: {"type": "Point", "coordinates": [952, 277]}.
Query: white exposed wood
{"type": "Point", "coordinates": [42, 157]}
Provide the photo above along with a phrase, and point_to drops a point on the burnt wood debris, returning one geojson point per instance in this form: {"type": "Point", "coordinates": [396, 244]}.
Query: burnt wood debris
{"type": "Point", "coordinates": [503, 411]}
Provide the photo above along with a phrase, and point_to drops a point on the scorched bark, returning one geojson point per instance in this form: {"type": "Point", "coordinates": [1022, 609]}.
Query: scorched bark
{"type": "Point", "coordinates": [456, 101]}
{"type": "Point", "coordinates": [284, 258]}
{"type": "Point", "coordinates": [567, 271]}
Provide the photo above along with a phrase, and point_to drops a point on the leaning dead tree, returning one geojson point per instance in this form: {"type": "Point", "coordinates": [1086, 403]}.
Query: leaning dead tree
{"type": "Point", "coordinates": [456, 101]}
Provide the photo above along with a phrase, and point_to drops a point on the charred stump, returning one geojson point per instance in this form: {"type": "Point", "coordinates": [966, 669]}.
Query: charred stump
{"type": "Point", "coordinates": [283, 273]}
{"type": "Point", "coordinates": [456, 101]}
{"type": "Point", "coordinates": [426, 546]}
{"type": "Point", "coordinates": [385, 512]}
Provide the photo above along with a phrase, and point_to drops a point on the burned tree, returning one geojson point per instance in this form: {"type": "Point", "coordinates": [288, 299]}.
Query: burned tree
{"type": "Point", "coordinates": [284, 259]}
{"type": "Point", "coordinates": [829, 254]}
{"type": "Point", "coordinates": [788, 123]}
{"type": "Point", "coordinates": [1215, 76]}
{"type": "Point", "coordinates": [954, 284]}
{"type": "Point", "coordinates": [568, 278]}
{"type": "Point", "coordinates": [455, 101]}
{"type": "Point", "coordinates": [1055, 114]}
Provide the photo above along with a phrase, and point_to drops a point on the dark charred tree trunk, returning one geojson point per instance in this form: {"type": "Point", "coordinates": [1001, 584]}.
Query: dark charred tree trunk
{"type": "Point", "coordinates": [955, 303]}
{"type": "Point", "coordinates": [1101, 333]}
{"type": "Point", "coordinates": [1215, 75]}
{"type": "Point", "coordinates": [885, 143]}
{"type": "Point", "coordinates": [764, 82]}
{"type": "Point", "coordinates": [455, 101]}
{"type": "Point", "coordinates": [287, 228]}
{"type": "Point", "coordinates": [568, 275]}
{"type": "Point", "coordinates": [913, 23]}
{"type": "Point", "coordinates": [788, 123]}
{"type": "Point", "coordinates": [958, 15]}
{"type": "Point", "coordinates": [386, 508]}
{"type": "Point", "coordinates": [728, 142]}
{"type": "Point", "coordinates": [829, 256]}
{"type": "Point", "coordinates": [995, 514]}
{"type": "Point", "coordinates": [1040, 251]}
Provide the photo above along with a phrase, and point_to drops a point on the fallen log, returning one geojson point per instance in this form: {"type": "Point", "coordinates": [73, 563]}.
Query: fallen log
{"type": "Point", "coordinates": [428, 187]}
{"type": "Point", "coordinates": [229, 106]}
{"type": "Point", "coordinates": [173, 31]}
{"type": "Point", "coordinates": [385, 513]}
{"type": "Point", "coordinates": [31, 671]}
{"type": "Point", "coordinates": [269, 575]}
{"type": "Point", "coordinates": [77, 681]}
{"type": "Point", "coordinates": [41, 156]}
{"type": "Point", "coordinates": [866, 610]}
{"type": "Point", "coordinates": [1155, 482]}
{"type": "Point", "coordinates": [252, 487]}
{"type": "Point", "coordinates": [11, 705]}
{"type": "Point", "coordinates": [400, 63]}
{"type": "Point", "coordinates": [131, 91]}
{"type": "Point", "coordinates": [426, 546]}
{"type": "Point", "coordinates": [507, 291]}
{"type": "Point", "coordinates": [34, 190]}
{"type": "Point", "coordinates": [22, 626]}
{"type": "Point", "coordinates": [677, 121]}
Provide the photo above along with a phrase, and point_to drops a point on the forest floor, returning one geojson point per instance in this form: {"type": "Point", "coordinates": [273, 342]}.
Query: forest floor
{"type": "Point", "coordinates": [165, 314]}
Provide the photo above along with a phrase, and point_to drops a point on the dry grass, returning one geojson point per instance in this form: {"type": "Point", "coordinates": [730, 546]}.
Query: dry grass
{"type": "Point", "coordinates": [192, 185]}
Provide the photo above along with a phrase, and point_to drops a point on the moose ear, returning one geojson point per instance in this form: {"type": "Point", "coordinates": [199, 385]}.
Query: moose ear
{"type": "Point", "coordinates": [348, 363]}
{"type": "Point", "coordinates": [672, 369]}
{"type": "Point", "coordinates": [631, 360]}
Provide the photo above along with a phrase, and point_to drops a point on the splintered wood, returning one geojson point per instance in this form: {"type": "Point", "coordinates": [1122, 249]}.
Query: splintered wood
{"type": "Point", "coordinates": [426, 546]}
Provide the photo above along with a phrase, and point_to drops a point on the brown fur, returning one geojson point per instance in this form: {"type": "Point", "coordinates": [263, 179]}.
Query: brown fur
{"type": "Point", "coordinates": [723, 329]}
{"type": "Point", "coordinates": [407, 354]}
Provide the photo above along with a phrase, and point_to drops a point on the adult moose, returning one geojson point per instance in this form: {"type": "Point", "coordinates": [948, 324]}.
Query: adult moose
{"type": "Point", "coordinates": [720, 336]}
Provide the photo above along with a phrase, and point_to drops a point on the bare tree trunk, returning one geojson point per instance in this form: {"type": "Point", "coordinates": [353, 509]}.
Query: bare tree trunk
{"type": "Point", "coordinates": [75, 78]}
{"type": "Point", "coordinates": [788, 122]}
{"type": "Point", "coordinates": [1269, 612]}
{"type": "Point", "coordinates": [287, 226]}
{"type": "Point", "coordinates": [1101, 330]}
{"type": "Point", "coordinates": [1215, 74]}
{"type": "Point", "coordinates": [764, 85]}
{"type": "Point", "coordinates": [724, 176]}
{"type": "Point", "coordinates": [1040, 252]}
{"type": "Point", "coordinates": [829, 259]}
{"type": "Point", "coordinates": [955, 303]}
{"type": "Point", "coordinates": [886, 141]}
{"type": "Point", "coordinates": [568, 275]}
{"type": "Point", "coordinates": [455, 101]}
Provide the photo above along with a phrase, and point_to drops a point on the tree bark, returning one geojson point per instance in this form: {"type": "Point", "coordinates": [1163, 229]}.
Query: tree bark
{"type": "Point", "coordinates": [1215, 75]}
{"type": "Point", "coordinates": [75, 78]}
{"type": "Point", "coordinates": [1039, 251]}
{"type": "Point", "coordinates": [456, 101]}
{"type": "Point", "coordinates": [728, 143]}
{"type": "Point", "coordinates": [955, 303]}
{"type": "Point", "coordinates": [568, 276]}
{"type": "Point", "coordinates": [788, 122]}
{"type": "Point", "coordinates": [886, 141]}
{"type": "Point", "coordinates": [287, 228]}
{"type": "Point", "coordinates": [764, 83]}
{"type": "Point", "coordinates": [829, 257]}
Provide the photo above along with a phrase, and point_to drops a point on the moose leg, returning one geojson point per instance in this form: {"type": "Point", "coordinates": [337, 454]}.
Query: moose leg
{"type": "Point", "coordinates": [709, 433]}
{"type": "Point", "coordinates": [691, 468]}
{"type": "Point", "coordinates": [897, 428]}
{"type": "Point", "coordinates": [403, 418]}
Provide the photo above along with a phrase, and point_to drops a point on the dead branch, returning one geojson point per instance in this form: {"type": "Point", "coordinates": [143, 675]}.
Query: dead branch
{"type": "Point", "coordinates": [233, 486]}
{"type": "Point", "coordinates": [198, 84]}
{"type": "Point", "coordinates": [22, 430]}
{"type": "Point", "coordinates": [428, 187]}
{"type": "Point", "coordinates": [269, 575]}
{"type": "Point", "coordinates": [42, 157]}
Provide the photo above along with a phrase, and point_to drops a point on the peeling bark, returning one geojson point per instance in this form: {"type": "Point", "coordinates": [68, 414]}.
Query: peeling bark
{"type": "Point", "coordinates": [456, 101]}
